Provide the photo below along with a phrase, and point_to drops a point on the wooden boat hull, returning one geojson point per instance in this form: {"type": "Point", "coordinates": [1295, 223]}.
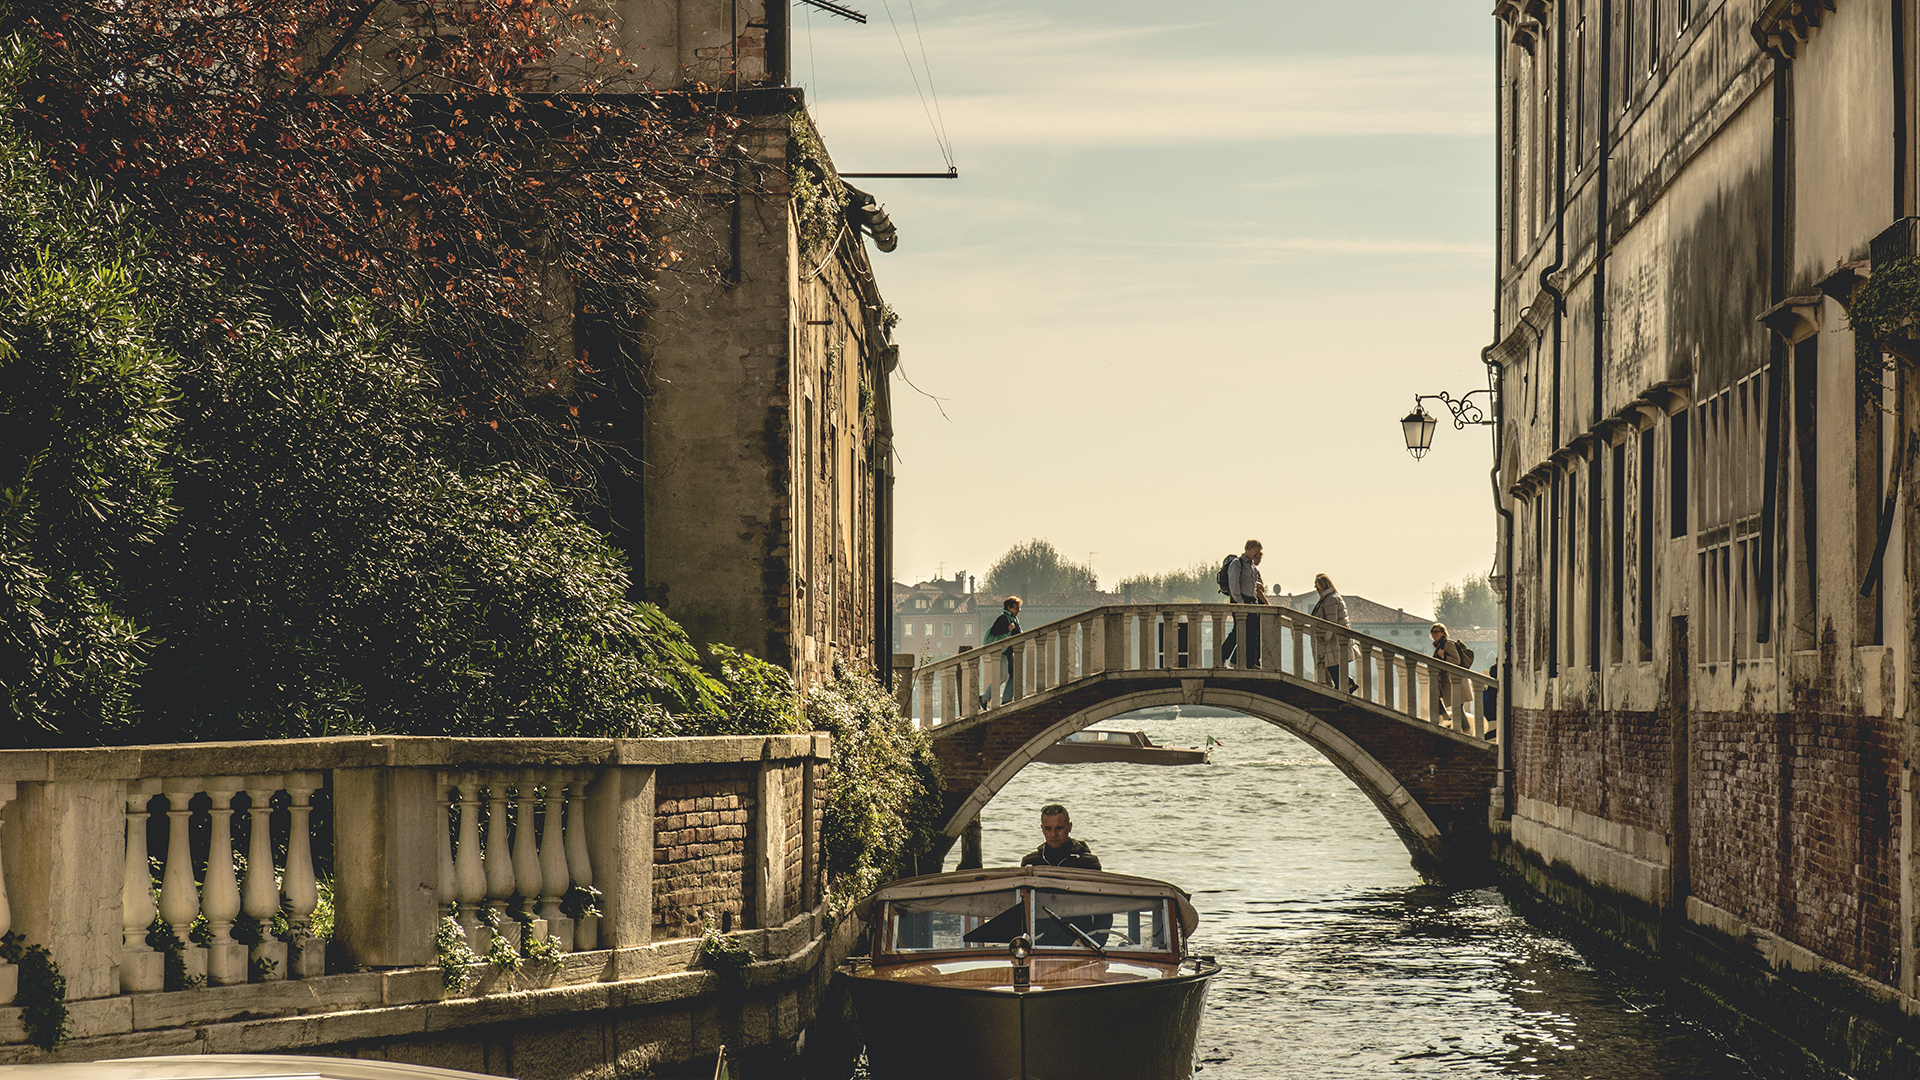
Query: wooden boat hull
{"type": "Point", "coordinates": [1136, 1030]}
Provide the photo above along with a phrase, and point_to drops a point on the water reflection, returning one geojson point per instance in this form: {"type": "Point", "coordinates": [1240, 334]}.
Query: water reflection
{"type": "Point", "coordinates": [1337, 962]}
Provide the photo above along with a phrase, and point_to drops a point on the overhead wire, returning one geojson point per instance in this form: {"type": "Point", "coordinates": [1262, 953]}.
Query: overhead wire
{"type": "Point", "coordinates": [939, 133]}
{"type": "Point", "coordinates": [926, 66]}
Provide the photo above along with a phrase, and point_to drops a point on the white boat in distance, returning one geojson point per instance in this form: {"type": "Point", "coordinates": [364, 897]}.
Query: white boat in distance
{"type": "Point", "coordinates": [1034, 973]}
{"type": "Point", "coordinates": [1099, 744]}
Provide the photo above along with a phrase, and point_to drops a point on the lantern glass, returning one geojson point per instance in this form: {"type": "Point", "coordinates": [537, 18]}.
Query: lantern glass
{"type": "Point", "coordinates": [1418, 426]}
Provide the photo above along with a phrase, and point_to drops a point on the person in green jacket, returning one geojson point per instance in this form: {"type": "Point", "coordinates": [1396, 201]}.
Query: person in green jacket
{"type": "Point", "coordinates": [1007, 625]}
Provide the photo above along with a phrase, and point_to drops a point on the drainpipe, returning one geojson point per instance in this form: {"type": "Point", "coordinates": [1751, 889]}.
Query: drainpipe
{"type": "Point", "coordinates": [1778, 350]}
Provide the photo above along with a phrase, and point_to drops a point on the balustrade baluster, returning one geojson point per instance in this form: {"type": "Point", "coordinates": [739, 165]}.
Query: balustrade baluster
{"type": "Point", "coordinates": [969, 681]}
{"type": "Point", "coordinates": [924, 678]}
{"type": "Point", "coordinates": [220, 895]}
{"type": "Point", "coordinates": [1299, 650]}
{"type": "Point", "coordinates": [308, 955]}
{"type": "Point", "coordinates": [179, 894]}
{"type": "Point", "coordinates": [9, 973]}
{"type": "Point", "coordinates": [1367, 653]}
{"type": "Point", "coordinates": [470, 888]}
{"type": "Point", "coordinates": [142, 967]}
{"type": "Point", "coordinates": [1388, 662]}
{"type": "Point", "coordinates": [260, 893]}
{"type": "Point", "coordinates": [448, 892]}
{"type": "Point", "coordinates": [553, 866]}
{"type": "Point", "coordinates": [499, 863]}
{"type": "Point", "coordinates": [1144, 640]}
{"type": "Point", "coordinates": [526, 855]}
{"type": "Point", "coordinates": [949, 694]}
{"type": "Point", "coordinates": [1432, 693]}
{"type": "Point", "coordinates": [586, 929]}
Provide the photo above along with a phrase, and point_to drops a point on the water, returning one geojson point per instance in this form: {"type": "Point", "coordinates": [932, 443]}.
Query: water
{"type": "Point", "coordinates": [1336, 961]}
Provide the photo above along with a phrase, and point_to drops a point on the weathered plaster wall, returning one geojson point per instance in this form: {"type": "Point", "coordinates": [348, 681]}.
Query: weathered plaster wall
{"type": "Point", "coordinates": [1719, 776]}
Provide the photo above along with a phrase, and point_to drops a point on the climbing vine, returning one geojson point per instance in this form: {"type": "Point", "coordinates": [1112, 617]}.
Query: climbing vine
{"type": "Point", "coordinates": [1885, 318]}
{"type": "Point", "coordinates": [725, 956]}
{"type": "Point", "coordinates": [42, 993]}
{"type": "Point", "coordinates": [820, 200]}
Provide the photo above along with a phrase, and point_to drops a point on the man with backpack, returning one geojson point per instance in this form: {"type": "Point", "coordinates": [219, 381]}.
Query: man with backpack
{"type": "Point", "coordinates": [1239, 578]}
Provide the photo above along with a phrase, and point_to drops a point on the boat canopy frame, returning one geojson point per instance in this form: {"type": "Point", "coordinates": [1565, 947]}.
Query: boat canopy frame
{"type": "Point", "coordinates": [1056, 878]}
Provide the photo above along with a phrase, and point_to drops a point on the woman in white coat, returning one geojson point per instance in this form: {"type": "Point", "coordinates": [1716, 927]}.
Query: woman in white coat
{"type": "Point", "coordinates": [1330, 655]}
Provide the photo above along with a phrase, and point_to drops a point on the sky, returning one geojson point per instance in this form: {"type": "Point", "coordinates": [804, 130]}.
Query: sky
{"type": "Point", "coordinates": [1198, 260]}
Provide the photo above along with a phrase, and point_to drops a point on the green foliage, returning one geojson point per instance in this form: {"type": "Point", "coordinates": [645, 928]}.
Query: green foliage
{"type": "Point", "coordinates": [160, 936]}
{"type": "Point", "coordinates": [1037, 567]}
{"type": "Point", "coordinates": [1193, 585]}
{"type": "Point", "coordinates": [349, 577]}
{"type": "Point", "coordinates": [262, 969]}
{"type": "Point", "coordinates": [883, 794]}
{"type": "Point", "coordinates": [820, 200]}
{"type": "Point", "coordinates": [501, 954]}
{"type": "Point", "coordinates": [84, 388]}
{"type": "Point", "coordinates": [545, 951]}
{"type": "Point", "coordinates": [725, 956]}
{"type": "Point", "coordinates": [456, 958]}
{"type": "Point", "coordinates": [756, 698]}
{"type": "Point", "coordinates": [1884, 316]}
{"type": "Point", "coordinates": [42, 993]}
{"type": "Point", "coordinates": [1472, 602]}
{"type": "Point", "coordinates": [581, 902]}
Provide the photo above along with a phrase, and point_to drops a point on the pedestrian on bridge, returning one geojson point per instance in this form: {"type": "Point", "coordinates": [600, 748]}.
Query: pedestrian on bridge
{"type": "Point", "coordinates": [1244, 586]}
{"type": "Point", "coordinates": [1006, 626]}
{"type": "Point", "coordinates": [1331, 655]}
{"type": "Point", "coordinates": [1451, 651]}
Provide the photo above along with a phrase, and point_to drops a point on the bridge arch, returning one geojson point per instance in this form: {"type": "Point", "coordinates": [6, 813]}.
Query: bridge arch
{"type": "Point", "coordinates": [1428, 846]}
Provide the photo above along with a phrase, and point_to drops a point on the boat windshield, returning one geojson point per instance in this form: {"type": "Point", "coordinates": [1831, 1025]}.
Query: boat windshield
{"type": "Point", "coordinates": [1115, 923]}
{"type": "Point", "coordinates": [969, 921]}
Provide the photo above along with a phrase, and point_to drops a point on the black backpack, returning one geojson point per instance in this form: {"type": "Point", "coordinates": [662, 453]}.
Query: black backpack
{"type": "Point", "coordinates": [1221, 579]}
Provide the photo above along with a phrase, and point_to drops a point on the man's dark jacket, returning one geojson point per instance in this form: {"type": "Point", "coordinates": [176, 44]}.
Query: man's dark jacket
{"type": "Point", "coordinates": [1076, 855]}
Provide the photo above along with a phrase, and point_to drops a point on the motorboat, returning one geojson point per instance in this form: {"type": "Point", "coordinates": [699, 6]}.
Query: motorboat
{"type": "Point", "coordinates": [1099, 744]}
{"type": "Point", "coordinates": [1034, 973]}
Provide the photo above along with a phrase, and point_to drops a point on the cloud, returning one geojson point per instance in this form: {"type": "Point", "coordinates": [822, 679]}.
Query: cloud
{"type": "Point", "coordinates": [1033, 81]}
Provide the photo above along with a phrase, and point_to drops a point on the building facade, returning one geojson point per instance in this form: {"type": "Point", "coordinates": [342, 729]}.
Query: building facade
{"type": "Point", "coordinates": [1706, 544]}
{"type": "Point", "coordinates": [761, 516]}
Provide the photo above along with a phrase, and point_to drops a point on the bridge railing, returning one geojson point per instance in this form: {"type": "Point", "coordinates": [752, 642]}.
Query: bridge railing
{"type": "Point", "coordinates": [245, 850]}
{"type": "Point", "coordinates": [1207, 639]}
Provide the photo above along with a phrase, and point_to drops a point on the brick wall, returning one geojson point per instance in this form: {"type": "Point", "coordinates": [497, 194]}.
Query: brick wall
{"type": "Point", "coordinates": [793, 791]}
{"type": "Point", "coordinates": [1612, 765]}
{"type": "Point", "coordinates": [703, 822]}
{"type": "Point", "coordinates": [1790, 816]}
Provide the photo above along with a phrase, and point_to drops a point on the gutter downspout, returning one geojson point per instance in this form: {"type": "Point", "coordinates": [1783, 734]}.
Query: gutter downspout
{"type": "Point", "coordinates": [1602, 241]}
{"type": "Point", "coordinates": [1500, 803]}
{"type": "Point", "coordinates": [1778, 350]}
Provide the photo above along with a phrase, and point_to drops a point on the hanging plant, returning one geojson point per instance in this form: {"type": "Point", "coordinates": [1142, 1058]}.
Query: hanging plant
{"type": "Point", "coordinates": [42, 994]}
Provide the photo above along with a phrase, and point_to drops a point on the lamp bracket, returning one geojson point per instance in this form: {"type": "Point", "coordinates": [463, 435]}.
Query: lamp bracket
{"type": "Point", "coordinates": [1464, 409]}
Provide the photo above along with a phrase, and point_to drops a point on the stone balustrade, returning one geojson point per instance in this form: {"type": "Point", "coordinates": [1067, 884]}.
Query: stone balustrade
{"type": "Point", "coordinates": [1179, 638]}
{"type": "Point", "coordinates": [596, 845]}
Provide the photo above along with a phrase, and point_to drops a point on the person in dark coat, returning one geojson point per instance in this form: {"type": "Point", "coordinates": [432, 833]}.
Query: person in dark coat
{"type": "Point", "coordinates": [1006, 626]}
{"type": "Point", "coordinates": [1060, 848]}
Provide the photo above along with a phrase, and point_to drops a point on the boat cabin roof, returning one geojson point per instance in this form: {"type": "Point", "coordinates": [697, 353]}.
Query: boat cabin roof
{"type": "Point", "coordinates": [1059, 878]}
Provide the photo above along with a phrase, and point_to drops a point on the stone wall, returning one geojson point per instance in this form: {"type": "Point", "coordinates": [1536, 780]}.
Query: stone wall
{"type": "Point", "coordinates": [675, 834]}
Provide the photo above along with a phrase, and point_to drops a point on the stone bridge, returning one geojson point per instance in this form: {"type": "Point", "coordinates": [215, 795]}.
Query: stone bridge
{"type": "Point", "coordinates": [1409, 733]}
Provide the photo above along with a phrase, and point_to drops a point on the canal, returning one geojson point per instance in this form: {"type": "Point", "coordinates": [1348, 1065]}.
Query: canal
{"type": "Point", "coordinates": [1337, 961]}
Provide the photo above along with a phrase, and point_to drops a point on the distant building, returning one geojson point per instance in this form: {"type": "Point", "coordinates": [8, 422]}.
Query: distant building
{"type": "Point", "coordinates": [933, 619]}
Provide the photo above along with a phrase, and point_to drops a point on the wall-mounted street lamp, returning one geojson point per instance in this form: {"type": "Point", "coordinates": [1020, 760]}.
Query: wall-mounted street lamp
{"type": "Point", "coordinates": [1419, 424]}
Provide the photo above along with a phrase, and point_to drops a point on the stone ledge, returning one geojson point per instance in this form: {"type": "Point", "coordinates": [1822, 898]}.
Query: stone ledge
{"type": "Point", "coordinates": [396, 751]}
{"type": "Point", "coordinates": [1642, 844]}
{"type": "Point", "coordinates": [1784, 956]}
{"type": "Point", "coordinates": [335, 1009]}
{"type": "Point", "coordinates": [1593, 861]}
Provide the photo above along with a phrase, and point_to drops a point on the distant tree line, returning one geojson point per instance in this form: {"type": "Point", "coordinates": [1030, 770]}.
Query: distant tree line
{"type": "Point", "coordinates": [1469, 602]}
{"type": "Point", "coordinates": [1037, 567]}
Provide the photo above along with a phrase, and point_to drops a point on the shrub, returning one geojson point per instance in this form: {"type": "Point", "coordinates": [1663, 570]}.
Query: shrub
{"type": "Point", "coordinates": [883, 796]}
{"type": "Point", "coordinates": [84, 388]}
{"type": "Point", "coordinates": [757, 698]}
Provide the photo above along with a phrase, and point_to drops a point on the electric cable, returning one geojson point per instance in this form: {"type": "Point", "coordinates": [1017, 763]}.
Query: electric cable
{"type": "Point", "coordinates": [946, 152]}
